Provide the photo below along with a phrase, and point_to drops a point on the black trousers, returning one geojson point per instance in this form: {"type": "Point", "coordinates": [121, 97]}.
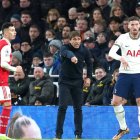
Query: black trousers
{"type": "Point", "coordinates": [65, 91]}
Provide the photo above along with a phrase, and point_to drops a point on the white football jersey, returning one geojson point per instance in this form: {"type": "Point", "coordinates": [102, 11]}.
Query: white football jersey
{"type": "Point", "coordinates": [130, 50]}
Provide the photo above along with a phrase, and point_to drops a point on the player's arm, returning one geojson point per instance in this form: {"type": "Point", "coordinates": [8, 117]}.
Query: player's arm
{"type": "Point", "coordinates": [5, 58]}
{"type": "Point", "coordinates": [113, 52]}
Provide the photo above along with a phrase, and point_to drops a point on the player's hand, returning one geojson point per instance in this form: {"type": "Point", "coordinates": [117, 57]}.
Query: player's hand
{"type": "Point", "coordinates": [87, 82]}
{"type": "Point", "coordinates": [124, 63]}
{"type": "Point", "coordinates": [74, 60]}
{"type": "Point", "coordinates": [19, 69]}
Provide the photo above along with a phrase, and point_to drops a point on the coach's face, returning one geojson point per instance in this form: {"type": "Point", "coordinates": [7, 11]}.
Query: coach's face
{"type": "Point", "coordinates": [75, 42]}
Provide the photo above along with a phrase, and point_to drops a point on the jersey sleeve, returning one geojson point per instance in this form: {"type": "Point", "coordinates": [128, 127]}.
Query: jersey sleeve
{"type": "Point", "coordinates": [5, 58]}
{"type": "Point", "coordinates": [113, 51]}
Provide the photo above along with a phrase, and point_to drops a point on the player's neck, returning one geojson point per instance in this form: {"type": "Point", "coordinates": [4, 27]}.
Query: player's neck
{"type": "Point", "coordinates": [134, 36]}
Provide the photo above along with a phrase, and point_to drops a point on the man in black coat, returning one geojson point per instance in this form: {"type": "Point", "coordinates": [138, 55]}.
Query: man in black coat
{"type": "Point", "coordinates": [73, 58]}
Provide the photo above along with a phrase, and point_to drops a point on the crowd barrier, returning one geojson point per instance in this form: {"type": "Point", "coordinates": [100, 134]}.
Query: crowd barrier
{"type": "Point", "coordinates": [99, 122]}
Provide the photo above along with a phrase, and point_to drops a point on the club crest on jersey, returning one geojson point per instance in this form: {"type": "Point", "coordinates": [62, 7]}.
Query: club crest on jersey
{"type": "Point", "coordinates": [133, 53]}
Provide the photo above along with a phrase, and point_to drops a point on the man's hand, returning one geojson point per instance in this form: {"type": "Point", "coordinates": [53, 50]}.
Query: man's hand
{"type": "Point", "coordinates": [19, 69]}
{"type": "Point", "coordinates": [74, 60]}
{"type": "Point", "coordinates": [124, 63]}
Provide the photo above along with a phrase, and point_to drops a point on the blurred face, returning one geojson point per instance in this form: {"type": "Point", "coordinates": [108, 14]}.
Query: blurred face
{"type": "Point", "coordinates": [16, 23]}
{"type": "Point", "coordinates": [19, 75]}
{"type": "Point", "coordinates": [66, 31]}
{"type": "Point", "coordinates": [98, 28]}
{"type": "Point", "coordinates": [75, 42]}
{"type": "Point", "coordinates": [53, 49]}
{"type": "Point", "coordinates": [49, 35]}
{"type": "Point", "coordinates": [38, 73]}
{"type": "Point", "coordinates": [99, 74]}
{"type": "Point", "coordinates": [25, 46]}
{"type": "Point", "coordinates": [117, 12]}
{"type": "Point", "coordinates": [48, 61]}
{"type": "Point", "coordinates": [36, 61]}
{"type": "Point", "coordinates": [101, 2]}
{"type": "Point", "coordinates": [134, 27]}
{"type": "Point", "coordinates": [97, 15]}
{"type": "Point", "coordinates": [24, 3]}
{"type": "Point", "coordinates": [81, 25]}
{"type": "Point", "coordinates": [72, 14]}
{"type": "Point", "coordinates": [15, 61]}
{"type": "Point", "coordinates": [33, 33]}
{"type": "Point", "coordinates": [125, 26]}
{"type": "Point", "coordinates": [85, 4]}
{"type": "Point", "coordinates": [114, 26]}
{"type": "Point", "coordinates": [84, 73]}
{"type": "Point", "coordinates": [25, 19]}
{"type": "Point", "coordinates": [81, 15]}
{"type": "Point", "coordinates": [101, 38]}
{"type": "Point", "coordinates": [52, 16]}
{"type": "Point", "coordinates": [16, 46]}
{"type": "Point", "coordinates": [38, 103]}
{"type": "Point", "coordinates": [61, 22]}
{"type": "Point", "coordinates": [5, 3]}
{"type": "Point", "coordinates": [137, 10]}
{"type": "Point", "coordinates": [10, 33]}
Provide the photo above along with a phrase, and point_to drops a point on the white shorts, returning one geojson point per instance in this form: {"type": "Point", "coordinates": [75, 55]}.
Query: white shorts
{"type": "Point", "coordinates": [5, 93]}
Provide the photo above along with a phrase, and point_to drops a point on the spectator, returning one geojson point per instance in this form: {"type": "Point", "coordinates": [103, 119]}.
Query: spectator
{"type": "Point", "coordinates": [90, 43]}
{"type": "Point", "coordinates": [61, 22]}
{"type": "Point", "coordinates": [19, 86]}
{"type": "Point", "coordinates": [16, 44]}
{"type": "Point", "coordinates": [86, 89]}
{"type": "Point", "coordinates": [95, 96]}
{"type": "Point", "coordinates": [54, 48]}
{"type": "Point", "coordinates": [105, 7]}
{"type": "Point", "coordinates": [117, 11]}
{"type": "Point", "coordinates": [36, 38]}
{"type": "Point", "coordinates": [23, 127]}
{"type": "Point", "coordinates": [7, 9]}
{"type": "Point", "coordinates": [49, 36]}
{"type": "Point", "coordinates": [16, 58]}
{"type": "Point", "coordinates": [26, 21]}
{"type": "Point", "coordinates": [51, 66]}
{"type": "Point", "coordinates": [27, 54]}
{"type": "Point", "coordinates": [41, 87]}
{"type": "Point", "coordinates": [28, 5]}
{"type": "Point", "coordinates": [37, 61]}
{"type": "Point", "coordinates": [72, 16]}
{"type": "Point", "coordinates": [51, 18]}
{"type": "Point", "coordinates": [16, 21]}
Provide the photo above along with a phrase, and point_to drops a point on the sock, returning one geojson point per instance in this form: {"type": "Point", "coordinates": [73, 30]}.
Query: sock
{"type": "Point", "coordinates": [139, 117]}
{"type": "Point", "coordinates": [120, 115]}
{"type": "Point", "coordinates": [5, 116]}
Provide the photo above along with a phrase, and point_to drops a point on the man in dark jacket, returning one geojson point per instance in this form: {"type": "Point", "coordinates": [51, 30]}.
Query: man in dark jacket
{"type": "Point", "coordinates": [96, 93]}
{"type": "Point", "coordinates": [73, 58]}
{"type": "Point", "coordinates": [41, 87]}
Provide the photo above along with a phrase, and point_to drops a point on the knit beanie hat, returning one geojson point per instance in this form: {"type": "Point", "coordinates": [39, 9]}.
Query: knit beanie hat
{"type": "Point", "coordinates": [18, 55]}
{"type": "Point", "coordinates": [56, 43]}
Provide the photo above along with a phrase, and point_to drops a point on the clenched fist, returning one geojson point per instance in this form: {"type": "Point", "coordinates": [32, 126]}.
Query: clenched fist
{"type": "Point", "coordinates": [74, 60]}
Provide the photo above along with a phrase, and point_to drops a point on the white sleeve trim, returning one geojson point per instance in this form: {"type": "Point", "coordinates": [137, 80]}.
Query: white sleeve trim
{"type": "Point", "coordinates": [113, 52]}
{"type": "Point", "coordinates": [5, 58]}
